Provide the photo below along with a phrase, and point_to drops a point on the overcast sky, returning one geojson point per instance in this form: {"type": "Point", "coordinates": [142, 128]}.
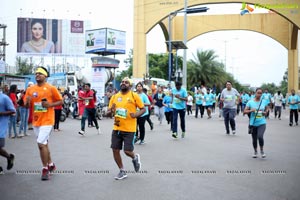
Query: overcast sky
{"type": "Point", "coordinates": [251, 57]}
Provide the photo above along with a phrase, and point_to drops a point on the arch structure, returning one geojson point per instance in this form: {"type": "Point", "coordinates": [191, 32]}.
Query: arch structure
{"type": "Point", "coordinates": [282, 25]}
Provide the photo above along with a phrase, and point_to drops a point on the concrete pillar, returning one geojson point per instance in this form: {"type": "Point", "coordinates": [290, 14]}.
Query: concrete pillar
{"type": "Point", "coordinates": [293, 82]}
{"type": "Point", "coordinates": [139, 48]}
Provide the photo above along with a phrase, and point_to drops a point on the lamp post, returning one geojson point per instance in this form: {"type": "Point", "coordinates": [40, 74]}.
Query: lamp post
{"type": "Point", "coordinates": [171, 15]}
{"type": "Point", "coordinates": [178, 74]}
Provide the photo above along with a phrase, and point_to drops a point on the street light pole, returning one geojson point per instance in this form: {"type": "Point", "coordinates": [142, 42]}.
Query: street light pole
{"type": "Point", "coordinates": [184, 64]}
{"type": "Point", "coordinates": [170, 48]}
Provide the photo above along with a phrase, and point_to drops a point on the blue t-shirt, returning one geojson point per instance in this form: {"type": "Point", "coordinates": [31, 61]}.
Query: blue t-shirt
{"type": "Point", "coordinates": [145, 100]}
{"type": "Point", "coordinates": [293, 99]}
{"type": "Point", "coordinates": [167, 100]}
{"type": "Point", "coordinates": [260, 119]}
{"type": "Point", "coordinates": [5, 105]}
{"type": "Point", "coordinates": [178, 103]}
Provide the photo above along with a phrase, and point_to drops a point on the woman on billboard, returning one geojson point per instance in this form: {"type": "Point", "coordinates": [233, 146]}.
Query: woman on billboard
{"type": "Point", "coordinates": [38, 44]}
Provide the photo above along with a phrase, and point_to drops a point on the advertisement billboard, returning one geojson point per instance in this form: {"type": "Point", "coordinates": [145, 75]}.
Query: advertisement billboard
{"type": "Point", "coordinates": [50, 36]}
{"type": "Point", "coordinates": [105, 41]}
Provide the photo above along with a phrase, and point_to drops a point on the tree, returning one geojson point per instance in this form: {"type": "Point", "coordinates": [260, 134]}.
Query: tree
{"type": "Point", "coordinates": [205, 68]}
{"type": "Point", "coordinates": [128, 62]}
{"type": "Point", "coordinates": [23, 67]}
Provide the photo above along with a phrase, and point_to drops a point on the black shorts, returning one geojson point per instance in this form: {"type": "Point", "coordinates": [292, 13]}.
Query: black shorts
{"type": "Point", "coordinates": [2, 142]}
{"type": "Point", "coordinates": [120, 137]}
{"type": "Point", "coordinates": [207, 107]}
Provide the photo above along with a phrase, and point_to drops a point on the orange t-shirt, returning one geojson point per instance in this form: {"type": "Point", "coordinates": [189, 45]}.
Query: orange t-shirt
{"type": "Point", "coordinates": [42, 116]}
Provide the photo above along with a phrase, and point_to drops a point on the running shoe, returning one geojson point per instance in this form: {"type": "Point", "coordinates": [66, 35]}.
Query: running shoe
{"type": "Point", "coordinates": [233, 132]}
{"type": "Point", "coordinates": [10, 161]}
{"type": "Point", "coordinates": [137, 163]}
{"type": "Point", "coordinates": [254, 155]}
{"type": "Point", "coordinates": [182, 134]}
{"type": "Point", "coordinates": [174, 135]}
{"type": "Point", "coordinates": [51, 168]}
{"type": "Point", "coordinates": [121, 175]}
{"type": "Point", "coordinates": [263, 155]}
{"type": "Point", "coordinates": [142, 142]}
{"type": "Point", "coordinates": [81, 132]}
{"type": "Point", "coordinates": [98, 130]}
{"type": "Point", "coordinates": [45, 174]}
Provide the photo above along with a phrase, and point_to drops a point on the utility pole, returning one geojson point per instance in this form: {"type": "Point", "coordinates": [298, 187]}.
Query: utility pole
{"type": "Point", "coordinates": [3, 43]}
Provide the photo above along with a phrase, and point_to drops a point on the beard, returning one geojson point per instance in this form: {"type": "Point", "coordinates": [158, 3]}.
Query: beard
{"type": "Point", "coordinates": [124, 88]}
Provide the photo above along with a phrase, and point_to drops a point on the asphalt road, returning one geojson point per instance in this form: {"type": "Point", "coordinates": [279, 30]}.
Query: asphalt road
{"type": "Point", "coordinates": [207, 164]}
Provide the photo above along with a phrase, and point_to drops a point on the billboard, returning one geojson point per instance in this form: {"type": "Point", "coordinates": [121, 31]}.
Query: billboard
{"type": "Point", "coordinates": [50, 36]}
{"type": "Point", "coordinates": [105, 41]}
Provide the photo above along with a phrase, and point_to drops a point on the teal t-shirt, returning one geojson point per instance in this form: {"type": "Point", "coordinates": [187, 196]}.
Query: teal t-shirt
{"type": "Point", "coordinates": [178, 103]}
{"type": "Point", "coordinates": [199, 99]}
{"type": "Point", "coordinates": [144, 99]}
{"type": "Point", "coordinates": [260, 119]}
{"type": "Point", "coordinates": [293, 99]}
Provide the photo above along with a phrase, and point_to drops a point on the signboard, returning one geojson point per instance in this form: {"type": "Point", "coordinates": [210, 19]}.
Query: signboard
{"type": "Point", "coordinates": [105, 41]}
{"type": "Point", "coordinates": [38, 36]}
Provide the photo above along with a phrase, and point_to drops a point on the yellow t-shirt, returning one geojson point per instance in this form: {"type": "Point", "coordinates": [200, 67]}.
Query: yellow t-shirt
{"type": "Point", "coordinates": [42, 116]}
{"type": "Point", "coordinates": [125, 104]}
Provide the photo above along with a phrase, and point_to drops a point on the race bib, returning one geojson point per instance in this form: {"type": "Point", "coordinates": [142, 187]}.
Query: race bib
{"type": "Point", "coordinates": [176, 100]}
{"type": "Point", "coordinates": [259, 114]}
{"type": "Point", "coordinates": [228, 98]}
{"type": "Point", "coordinates": [38, 107]}
{"type": "Point", "coordinates": [121, 112]}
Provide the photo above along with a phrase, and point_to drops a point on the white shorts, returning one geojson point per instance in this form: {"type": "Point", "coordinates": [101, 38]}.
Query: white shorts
{"type": "Point", "coordinates": [42, 133]}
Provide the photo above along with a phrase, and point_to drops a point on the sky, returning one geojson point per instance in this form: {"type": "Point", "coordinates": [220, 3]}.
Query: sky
{"type": "Point", "coordinates": [251, 57]}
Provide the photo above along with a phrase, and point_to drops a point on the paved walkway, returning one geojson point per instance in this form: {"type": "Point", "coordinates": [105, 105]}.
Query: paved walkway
{"type": "Point", "coordinates": [207, 164]}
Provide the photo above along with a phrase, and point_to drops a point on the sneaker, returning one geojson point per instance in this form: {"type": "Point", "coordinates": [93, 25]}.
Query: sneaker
{"type": "Point", "coordinates": [137, 163]}
{"type": "Point", "coordinates": [182, 134]}
{"type": "Point", "coordinates": [136, 140]}
{"type": "Point", "coordinates": [27, 134]}
{"type": "Point", "coordinates": [10, 161]}
{"type": "Point", "coordinates": [291, 124]}
{"type": "Point", "coordinates": [296, 123]}
{"type": "Point", "coordinates": [227, 133]}
{"type": "Point", "coordinates": [81, 132]}
{"type": "Point", "coordinates": [233, 132]}
{"type": "Point", "coordinates": [121, 175]}
{"type": "Point", "coordinates": [151, 126]}
{"type": "Point", "coordinates": [45, 174]}
{"type": "Point", "coordinates": [174, 135]}
{"type": "Point", "coordinates": [51, 168]}
{"type": "Point", "coordinates": [21, 135]}
{"type": "Point", "coordinates": [99, 131]}
{"type": "Point", "coordinates": [254, 155]}
{"type": "Point", "coordinates": [263, 155]}
{"type": "Point", "coordinates": [142, 142]}
{"type": "Point", "coordinates": [1, 171]}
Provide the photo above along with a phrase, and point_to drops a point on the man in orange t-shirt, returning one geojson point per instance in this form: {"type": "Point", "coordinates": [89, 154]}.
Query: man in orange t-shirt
{"type": "Point", "coordinates": [42, 98]}
{"type": "Point", "coordinates": [126, 106]}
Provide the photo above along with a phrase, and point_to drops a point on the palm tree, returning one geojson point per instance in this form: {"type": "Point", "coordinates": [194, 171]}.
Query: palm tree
{"type": "Point", "coordinates": [205, 68]}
